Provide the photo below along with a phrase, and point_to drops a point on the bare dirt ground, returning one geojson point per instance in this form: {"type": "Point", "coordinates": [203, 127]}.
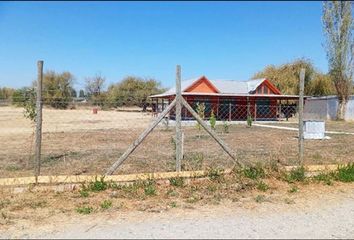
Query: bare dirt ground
{"type": "Point", "coordinates": [79, 142]}
{"type": "Point", "coordinates": [315, 211]}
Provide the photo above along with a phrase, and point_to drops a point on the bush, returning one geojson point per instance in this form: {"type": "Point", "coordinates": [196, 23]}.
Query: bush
{"type": "Point", "coordinates": [98, 185]}
{"type": "Point", "coordinates": [84, 193]}
{"type": "Point", "coordinates": [84, 210]}
{"type": "Point", "coordinates": [212, 120]}
{"type": "Point", "coordinates": [255, 172]}
{"type": "Point", "coordinates": [216, 174]}
{"type": "Point", "coordinates": [150, 188]}
{"type": "Point", "coordinates": [226, 126]}
{"type": "Point", "coordinates": [296, 175]}
{"type": "Point", "coordinates": [262, 186]}
{"type": "Point", "coordinates": [177, 181]}
{"type": "Point", "coordinates": [346, 173]}
{"type": "Point", "coordinates": [249, 121]}
{"type": "Point", "coordinates": [106, 204]}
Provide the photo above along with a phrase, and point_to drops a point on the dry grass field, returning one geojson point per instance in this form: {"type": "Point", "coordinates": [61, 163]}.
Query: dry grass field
{"type": "Point", "coordinates": [79, 142]}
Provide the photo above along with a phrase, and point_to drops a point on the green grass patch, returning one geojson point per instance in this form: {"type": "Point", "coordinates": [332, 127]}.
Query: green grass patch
{"type": "Point", "coordinates": [84, 210]}
{"type": "Point", "coordinates": [216, 174]}
{"type": "Point", "coordinates": [98, 185]}
{"type": "Point", "coordinates": [84, 193]}
{"type": "Point", "coordinates": [293, 189]}
{"type": "Point", "coordinates": [150, 188]}
{"type": "Point", "coordinates": [177, 181]}
{"type": "Point", "coordinates": [254, 172]}
{"type": "Point", "coordinates": [346, 173]}
{"type": "Point", "coordinates": [296, 175]}
{"type": "Point", "coordinates": [106, 204]}
{"type": "Point", "coordinates": [262, 186]}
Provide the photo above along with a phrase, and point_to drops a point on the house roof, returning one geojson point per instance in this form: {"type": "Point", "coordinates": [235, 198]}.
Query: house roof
{"type": "Point", "coordinates": [224, 87]}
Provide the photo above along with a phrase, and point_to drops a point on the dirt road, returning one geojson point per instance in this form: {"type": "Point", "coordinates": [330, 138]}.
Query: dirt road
{"type": "Point", "coordinates": [323, 216]}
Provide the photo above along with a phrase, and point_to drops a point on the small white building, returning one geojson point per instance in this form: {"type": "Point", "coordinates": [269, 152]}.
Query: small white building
{"type": "Point", "coordinates": [325, 108]}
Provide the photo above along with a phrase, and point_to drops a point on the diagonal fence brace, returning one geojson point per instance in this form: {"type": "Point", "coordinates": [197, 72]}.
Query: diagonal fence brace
{"type": "Point", "coordinates": [211, 132]}
{"type": "Point", "coordinates": [141, 138]}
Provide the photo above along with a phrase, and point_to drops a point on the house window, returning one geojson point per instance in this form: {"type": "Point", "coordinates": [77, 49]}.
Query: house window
{"type": "Point", "coordinates": [265, 90]}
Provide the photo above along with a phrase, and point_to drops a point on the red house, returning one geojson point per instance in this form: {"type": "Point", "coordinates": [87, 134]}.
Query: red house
{"type": "Point", "coordinates": [231, 100]}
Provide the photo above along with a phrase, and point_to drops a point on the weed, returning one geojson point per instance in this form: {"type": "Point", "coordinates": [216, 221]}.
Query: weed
{"type": "Point", "coordinates": [177, 181]}
{"type": "Point", "coordinates": [84, 210]}
{"type": "Point", "coordinates": [254, 172]}
{"type": "Point", "coordinates": [150, 188]}
{"type": "Point", "coordinates": [226, 126]}
{"type": "Point", "coordinates": [12, 168]}
{"type": "Point", "coordinates": [262, 186]}
{"type": "Point", "coordinates": [39, 204]}
{"type": "Point", "coordinates": [325, 177]}
{"type": "Point", "coordinates": [106, 204]}
{"type": "Point", "coordinates": [172, 193]}
{"type": "Point", "coordinates": [194, 161]}
{"type": "Point", "coordinates": [296, 175]}
{"type": "Point", "coordinates": [173, 204]}
{"type": "Point", "coordinates": [260, 198]}
{"type": "Point", "coordinates": [98, 185]}
{"type": "Point", "coordinates": [212, 188]}
{"type": "Point", "coordinates": [4, 203]}
{"type": "Point", "coordinates": [216, 174]}
{"type": "Point", "coordinates": [293, 189]}
{"type": "Point", "coordinates": [346, 173]}
{"type": "Point", "coordinates": [84, 193]}
{"type": "Point", "coordinates": [289, 201]}
{"type": "Point", "coordinates": [249, 121]}
{"type": "Point", "coordinates": [212, 120]}
{"type": "Point", "coordinates": [192, 199]}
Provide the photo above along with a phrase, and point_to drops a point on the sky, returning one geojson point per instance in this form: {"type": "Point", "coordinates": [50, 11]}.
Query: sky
{"type": "Point", "coordinates": [221, 40]}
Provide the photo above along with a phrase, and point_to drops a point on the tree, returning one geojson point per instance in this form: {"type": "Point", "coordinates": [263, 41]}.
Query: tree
{"type": "Point", "coordinates": [6, 93]}
{"type": "Point", "coordinates": [81, 93]}
{"type": "Point", "coordinates": [94, 85]}
{"type": "Point", "coordinates": [338, 26]}
{"type": "Point", "coordinates": [57, 89]}
{"type": "Point", "coordinates": [286, 76]}
{"type": "Point", "coordinates": [73, 93]}
{"type": "Point", "coordinates": [321, 85]}
{"type": "Point", "coordinates": [133, 91]}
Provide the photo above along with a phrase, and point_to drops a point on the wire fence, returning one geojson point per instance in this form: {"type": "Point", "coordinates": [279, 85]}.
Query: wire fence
{"type": "Point", "coordinates": [87, 137]}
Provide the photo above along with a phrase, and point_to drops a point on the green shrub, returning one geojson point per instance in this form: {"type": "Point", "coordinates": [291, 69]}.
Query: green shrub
{"type": "Point", "coordinates": [249, 121]}
{"type": "Point", "coordinates": [150, 188]}
{"type": "Point", "coordinates": [106, 204]}
{"type": "Point", "coordinates": [346, 173]}
{"type": "Point", "coordinates": [325, 177]}
{"type": "Point", "coordinates": [254, 172]}
{"type": "Point", "coordinates": [262, 186]}
{"type": "Point", "coordinates": [84, 193]}
{"type": "Point", "coordinates": [215, 174]}
{"type": "Point", "coordinates": [260, 198]}
{"type": "Point", "coordinates": [98, 185]}
{"type": "Point", "coordinates": [226, 126]}
{"type": "Point", "coordinates": [212, 120]}
{"type": "Point", "coordinates": [293, 189]}
{"type": "Point", "coordinates": [177, 181]}
{"type": "Point", "coordinates": [173, 204]}
{"type": "Point", "coordinates": [296, 175]}
{"type": "Point", "coordinates": [84, 210]}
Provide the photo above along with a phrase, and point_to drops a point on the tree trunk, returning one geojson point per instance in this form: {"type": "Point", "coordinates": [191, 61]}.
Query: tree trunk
{"type": "Point", "coordinates": [342, 105]}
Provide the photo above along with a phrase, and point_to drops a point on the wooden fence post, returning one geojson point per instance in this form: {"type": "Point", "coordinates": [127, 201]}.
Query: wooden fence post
{"type": "Point", "coordinates": [37, 170]}
{"type": "Point", "coordinates": [301, 117]}
{"type": "Point", "coordinates": [178, 119]}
